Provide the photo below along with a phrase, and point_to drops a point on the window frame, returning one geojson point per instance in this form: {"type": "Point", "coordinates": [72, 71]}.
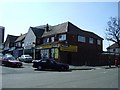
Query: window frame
{"type": "Point", "coordinates": [98, 42]}
{"type": "Point", "coordinates": [63, 37]}
{"type": "Point", "coordinates": [46, 40]}
{"type": "Point", "coordinates": [91, 40]}
{"type": "Point", "coordinates": [81, 38]}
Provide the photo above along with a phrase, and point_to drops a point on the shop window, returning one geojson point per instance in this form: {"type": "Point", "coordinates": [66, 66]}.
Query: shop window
{"type": "Point", "coordinates": [45, 53]}
{"type": "Point", "coordinates": [52, 53]}
{"type": "Point", "coordinates": [81, 39]}
{"type": "Point", "coordinates": [62, 37]}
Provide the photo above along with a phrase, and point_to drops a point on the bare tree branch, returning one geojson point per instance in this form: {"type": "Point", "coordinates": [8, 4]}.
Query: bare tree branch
{"type": "Point", "coordinates": [113, 30]}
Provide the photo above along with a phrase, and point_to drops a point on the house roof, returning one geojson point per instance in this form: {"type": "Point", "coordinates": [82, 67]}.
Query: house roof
{"type": "Point", "coordinates": [60, 28]}
{"type": "Point", "coordinates": [37, 31]}
{"type": "Point", "coordinates": [64, 27]}
{"type": "Point", "coordinates": [11, 38]}
{"type": "Point", "coordinates": [20, 38]}
{"type": "Point", "coordinates": [113, 46]}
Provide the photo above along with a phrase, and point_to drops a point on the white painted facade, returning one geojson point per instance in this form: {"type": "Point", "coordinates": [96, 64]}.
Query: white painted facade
{"type": "Point", "coordinates": [29, 39]}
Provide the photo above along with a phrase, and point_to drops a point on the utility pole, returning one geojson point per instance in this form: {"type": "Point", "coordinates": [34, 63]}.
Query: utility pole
{"type": "Point", "coordinates": [34, 50]}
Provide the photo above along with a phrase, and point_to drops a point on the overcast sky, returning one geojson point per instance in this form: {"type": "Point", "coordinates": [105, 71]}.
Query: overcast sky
{"type": "Point", "coordinates": [17, 17]}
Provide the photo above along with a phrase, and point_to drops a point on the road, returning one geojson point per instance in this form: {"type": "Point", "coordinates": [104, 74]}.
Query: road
{"type": "Point", "coordinates": [28, 77]}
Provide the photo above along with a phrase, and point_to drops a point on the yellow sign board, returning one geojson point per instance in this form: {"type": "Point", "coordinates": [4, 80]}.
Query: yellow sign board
{"type": "Point", "coordinates": [56, 53]}
{"type": "Point", "coordinates": [46, 46]}
{"type": "Point", "coordinates": [70, 48]}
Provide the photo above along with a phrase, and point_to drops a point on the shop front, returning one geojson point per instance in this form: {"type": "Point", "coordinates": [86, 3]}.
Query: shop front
{"type": "Point", "coordinates": [58, 52]}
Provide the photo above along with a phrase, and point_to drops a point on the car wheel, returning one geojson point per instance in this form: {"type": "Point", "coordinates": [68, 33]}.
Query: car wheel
{"type": "Point", "coordinates": [39, 67]}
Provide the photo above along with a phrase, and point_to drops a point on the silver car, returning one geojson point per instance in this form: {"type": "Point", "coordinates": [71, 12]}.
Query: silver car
{"type": "Point", "coordinates": [25, 58]}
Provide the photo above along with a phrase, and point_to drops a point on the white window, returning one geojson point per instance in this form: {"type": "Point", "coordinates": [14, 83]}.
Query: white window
{"type": "Point", "coordinates": [62, 37]}
{"type": "Point", "coordinates": [52, 39]}
{"type": "Point", "coordinates": [99, 42]}
{"type": "Point", "coordinates": [81, 39]}
{"type": "Point", "coordinates": [91, 40]}
{"type": "Point", "coordinates": [46, 40]}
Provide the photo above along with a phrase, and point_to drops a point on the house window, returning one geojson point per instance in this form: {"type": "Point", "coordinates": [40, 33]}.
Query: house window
{"type": "Point", "coordinates": [46, 40]}
{"type": "Point", "coordinates": [91, 40]}
{"type": "Point", "coordinates": [62, 37]}
{"type": "Point", "coordinates": [99, 42]}
{"type": "Point", "coordinates": [81, 39]}
{"type": "Point", "coordinates": [52, 39]}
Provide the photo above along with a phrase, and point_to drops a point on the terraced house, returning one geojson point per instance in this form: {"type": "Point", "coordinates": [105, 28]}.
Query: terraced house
{"type": "Point", "coordinates": [68, 44]}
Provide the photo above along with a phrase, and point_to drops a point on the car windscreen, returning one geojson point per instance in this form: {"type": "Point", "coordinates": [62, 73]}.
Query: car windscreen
{"type": "Point", "coordinates": [9, 58]}
{"type": "Point", "coordinates": [27, 56]}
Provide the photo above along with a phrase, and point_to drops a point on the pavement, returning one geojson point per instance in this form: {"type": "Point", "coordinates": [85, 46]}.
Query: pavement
{"type": "Point", "coordinates": [90, 67]}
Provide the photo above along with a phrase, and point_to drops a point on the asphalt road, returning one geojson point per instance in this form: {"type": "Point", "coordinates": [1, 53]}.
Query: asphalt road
{"type": "Point", "coordinates": [27, 77]}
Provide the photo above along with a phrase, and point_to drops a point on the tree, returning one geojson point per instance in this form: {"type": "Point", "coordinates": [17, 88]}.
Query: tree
{"type": "Point", "coordinates": [113, 30]}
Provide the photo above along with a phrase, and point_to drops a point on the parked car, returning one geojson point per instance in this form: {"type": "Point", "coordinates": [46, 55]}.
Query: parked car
{"type": "Point", "coordinates": [49, 64]}
{"type": "Point", "coordinates": [11, 61]}
{"type": "Point", "coordinates": [25, 58]}
{"type": "Point", "coordinates": [8, 55]}
{"type": "Point", "coordinates": [1, 56]}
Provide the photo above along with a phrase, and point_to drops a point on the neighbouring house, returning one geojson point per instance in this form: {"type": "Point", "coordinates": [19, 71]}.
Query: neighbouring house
{"type": "Point", "coordinates": [114, 48]}
{"type": "Point", "coordinates": [2, 29]}
{"type": "Point", "coordinates": [69, 44]}
{"type": "Point", "coordinates": [33, 34]}
{"type": "Point", "coordinates": [19, 44]}
{"type": "Point", "coordinates": [113, 51]}
{"type": "Point", "coordinates": [9, 44]}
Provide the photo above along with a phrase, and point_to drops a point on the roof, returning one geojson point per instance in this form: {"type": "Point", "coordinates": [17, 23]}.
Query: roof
{"type": "Point", "coordinates": [114, 45]}
{"type": "Point", "coordinates": [11, 38]}
{"type": "Point", "coordinates": [60, 28]}
{"type": "Point", "coordinates": [2, 27]}
{"type": "Point", "coordinates": [40, 31]}
{"type": "Point", "coordinates": [68, 27]}
{"type": "Point", "coordinates": [20, 38]}
{"type": "Point", "coordinates": [37, 31]}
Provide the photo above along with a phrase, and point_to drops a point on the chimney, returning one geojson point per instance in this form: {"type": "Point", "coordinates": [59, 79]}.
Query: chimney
{"type": "Point", "coordinates": [47, 28]}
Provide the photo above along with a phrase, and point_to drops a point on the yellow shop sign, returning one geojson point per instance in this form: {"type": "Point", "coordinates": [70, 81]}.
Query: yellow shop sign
{"type": "Point", "coordinates": [46, 46]}
{"type": "Point", "coordinates": [70, 48]}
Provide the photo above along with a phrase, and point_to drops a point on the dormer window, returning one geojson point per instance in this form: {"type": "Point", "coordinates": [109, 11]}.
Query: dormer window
{"type": "Point", "coordinates": [52, 39]}
{"type": "Point", "coordinates": [62, 37]}
{"type": "Point", "coordinates": [46, 40]}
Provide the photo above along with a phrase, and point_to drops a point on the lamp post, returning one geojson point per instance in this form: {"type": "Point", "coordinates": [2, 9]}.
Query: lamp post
{"type": "Point", "coordinates": [34, 50]}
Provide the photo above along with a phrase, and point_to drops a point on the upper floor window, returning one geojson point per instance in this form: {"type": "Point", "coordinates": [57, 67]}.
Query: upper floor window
{"type": "Point", "coordinates": [52, 39]}
{"type": "Point", "coordinates": [99, 42]}
{"type": "Point", "coordinates": [91, 40]}
{"type": "Point", "coordinates": [62, 37]}
{"type": "Point", "coordinates": [81, 39]}
{"type": "Point", "coordinates": [46, 40]}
